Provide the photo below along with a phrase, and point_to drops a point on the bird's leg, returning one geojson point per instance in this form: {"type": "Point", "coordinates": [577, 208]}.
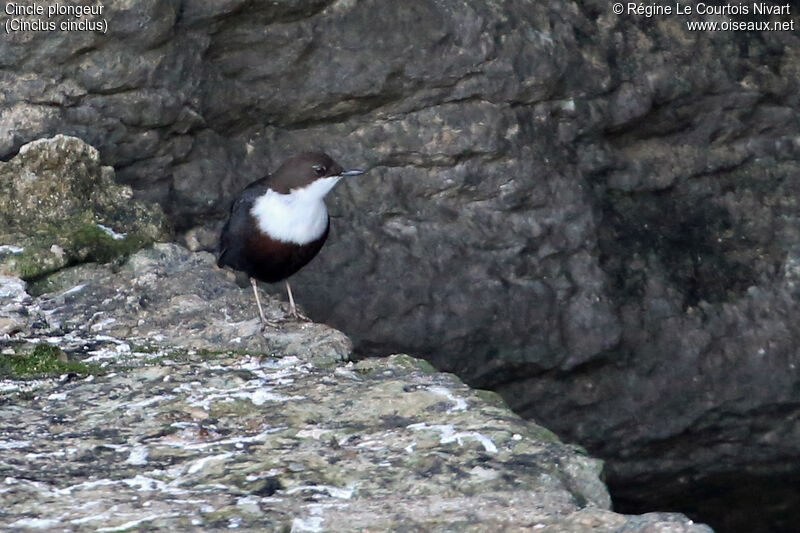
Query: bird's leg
{"type": "Point", "coordinates": [292, 307]}
{"type": "Point", "coordinates": [264, 321]}
{"type": "Point", "coordinates": [253, 283]}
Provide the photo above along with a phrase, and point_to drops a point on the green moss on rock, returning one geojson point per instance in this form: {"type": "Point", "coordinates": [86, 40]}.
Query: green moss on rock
{"type": "Point", "coordinates": [31, 265]}
{"type": "Point", "coordinates": [42, 360]}
{"type": "Point", "coordinates": [98, 246]}
{"type": "Point", "coordinates": [54, 196]}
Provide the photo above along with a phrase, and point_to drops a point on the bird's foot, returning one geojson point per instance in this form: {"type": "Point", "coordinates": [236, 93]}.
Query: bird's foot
{"type": "Point", "coordinates": [294, 314]}
{"type": "Point", "coordinates": [300, 317]}
{"type": "Point", "coordinates": [267, 324]}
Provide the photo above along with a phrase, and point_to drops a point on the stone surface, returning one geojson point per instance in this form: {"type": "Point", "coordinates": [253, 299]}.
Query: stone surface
{"type": "Point", "coordinates": [60, 206]}
{"type": "Point", "coordinates": [175, 426]}
{"type": "Point", "coordinates": [593, 214]}
{"type": "Point", "coordinates": [164, 294]}
{"type": "Point", "coordinates": [14, 317]}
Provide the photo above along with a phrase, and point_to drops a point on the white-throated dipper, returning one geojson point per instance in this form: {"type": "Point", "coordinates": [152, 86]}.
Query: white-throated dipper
{"type": "Point", "coordinates": [280, 222]}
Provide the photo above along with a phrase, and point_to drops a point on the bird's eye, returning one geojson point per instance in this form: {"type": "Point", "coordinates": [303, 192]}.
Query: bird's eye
{"type": "Point", "coordinates": [320, 170]}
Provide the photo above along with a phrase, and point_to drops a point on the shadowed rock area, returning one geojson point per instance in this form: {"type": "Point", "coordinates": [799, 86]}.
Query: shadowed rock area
{"type": "Point", "coordinates": [594, 215]}
{"type": "Point", "coordinates": [177, 413]}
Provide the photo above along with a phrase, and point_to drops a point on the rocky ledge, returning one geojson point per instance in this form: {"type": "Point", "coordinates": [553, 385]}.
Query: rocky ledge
{"type": "Point", "coordinates": [144, 395]}
{"type": "Point", "coordinates": [59, 206]}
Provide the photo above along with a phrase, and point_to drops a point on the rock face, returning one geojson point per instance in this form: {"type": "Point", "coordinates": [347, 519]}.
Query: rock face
{"type": "Point", "coordinates": [593, 214]}
{"type": "Point", "coordinates": [193, 427]}
{"type": "Point", "coordinates": [59, 206]}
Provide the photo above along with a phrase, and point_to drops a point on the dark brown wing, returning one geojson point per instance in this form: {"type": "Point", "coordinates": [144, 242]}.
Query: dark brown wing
{"type": "Point", "coordinates": [231, 237]}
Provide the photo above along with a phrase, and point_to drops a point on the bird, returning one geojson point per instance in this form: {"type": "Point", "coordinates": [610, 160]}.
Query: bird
{"type": "Point", "coordinates": [280, 222]}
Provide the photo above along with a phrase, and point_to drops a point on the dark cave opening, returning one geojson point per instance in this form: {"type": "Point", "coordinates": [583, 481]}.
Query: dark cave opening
{"type": "Point", "coordinates": [733, 502]}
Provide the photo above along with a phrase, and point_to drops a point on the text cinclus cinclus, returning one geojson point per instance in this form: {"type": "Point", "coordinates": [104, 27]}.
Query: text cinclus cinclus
{"type": "Point", "coordinates": [280, 222]}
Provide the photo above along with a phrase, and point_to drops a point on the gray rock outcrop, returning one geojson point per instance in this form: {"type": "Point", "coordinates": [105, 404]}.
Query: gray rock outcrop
{"type": "Point", "coordinates": [593, 214]}
{"type": "Point", "coordinates": [59, 206]}
{"type": "Point", "coordinates": [183, 418]}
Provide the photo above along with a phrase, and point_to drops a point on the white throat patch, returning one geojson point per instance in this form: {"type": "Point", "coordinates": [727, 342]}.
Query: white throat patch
{"type": "Point", "coordinates": [298, 217]}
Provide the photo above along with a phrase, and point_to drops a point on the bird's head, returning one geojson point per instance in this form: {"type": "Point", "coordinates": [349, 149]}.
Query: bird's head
{"type": "Point", "coordinates": [313, 173]}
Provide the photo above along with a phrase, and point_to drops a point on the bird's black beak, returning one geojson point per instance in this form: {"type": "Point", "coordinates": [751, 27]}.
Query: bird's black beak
{"type": "Point", "coordinates": [348, 173]}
